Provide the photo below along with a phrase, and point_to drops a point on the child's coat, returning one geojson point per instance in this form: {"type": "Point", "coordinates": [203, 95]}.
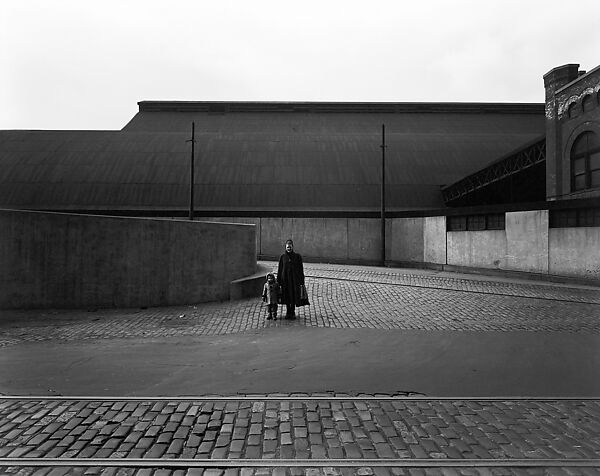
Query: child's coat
{"type": "Point", "coordinates": [270, 292]}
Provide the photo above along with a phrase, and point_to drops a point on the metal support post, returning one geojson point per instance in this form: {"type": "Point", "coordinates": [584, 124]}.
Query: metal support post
{"type": "Point", "coordinates": [193, 141]}
{"type": "Point", "coordinates": [383, 147]}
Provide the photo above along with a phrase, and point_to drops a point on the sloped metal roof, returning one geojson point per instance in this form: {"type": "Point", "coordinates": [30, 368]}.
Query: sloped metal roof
{"type": "Point", "coordinates": [261, 159]}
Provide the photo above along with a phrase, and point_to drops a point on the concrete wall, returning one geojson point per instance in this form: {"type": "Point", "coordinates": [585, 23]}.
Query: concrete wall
{"type": "Point", "coordinates": [407, 240]}
{"type": "Point", "coordinates": [417, 240]}
{"type": "Point", "coordinates": [335, 239]}
{"type": "Point", "coordinates": [527, 244]}
{"type": "Point", "coordinates": [477, 249]}
{"type": "Point", "coordinates": [521, 246]}
{"type": "Point", "coordinates": [356, 239]}
{"type": "Point", "coordinates": [575, 252]}
{"type": "Point", "coordinates": [62, 260]}
{"type": "Point", "coordinates": [244, 220]}
{"type": "Point", "coordinates": [434, 237]}
{"type": "Point", "coordinates": [527, 241]}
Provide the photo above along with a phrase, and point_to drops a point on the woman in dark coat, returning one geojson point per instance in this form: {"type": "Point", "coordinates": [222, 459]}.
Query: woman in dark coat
{"type": "Point", "coordinates": [290, 276]}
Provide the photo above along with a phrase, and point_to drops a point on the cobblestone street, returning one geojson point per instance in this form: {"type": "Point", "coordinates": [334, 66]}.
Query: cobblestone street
{"type": "Point", "coordinates": [312, 433]}
{"type": "Point", "coordinates": [341, 297]}
{"type": "Point", "coordinates": [301, 428]}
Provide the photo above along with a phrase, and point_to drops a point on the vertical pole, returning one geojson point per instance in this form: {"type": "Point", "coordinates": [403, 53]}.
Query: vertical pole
{"type": "Point", "coordinates": [192, 175]}
{"type": "Point", "coordinates": [383, 194]}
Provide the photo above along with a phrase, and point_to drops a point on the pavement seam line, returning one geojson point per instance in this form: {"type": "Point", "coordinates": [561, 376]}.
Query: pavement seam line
{"type": "Point", "coordinates": [302, 398]}
{"type": "Point", "coordinates": [348, 463]}
{"type": "Point", "coordinates": [477, 278]}
{"type": "Point", "coordinates": [419, 286]}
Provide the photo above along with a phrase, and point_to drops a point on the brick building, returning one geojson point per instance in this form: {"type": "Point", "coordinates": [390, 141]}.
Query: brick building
{"type": "Point", "coordinates": [572, 133]}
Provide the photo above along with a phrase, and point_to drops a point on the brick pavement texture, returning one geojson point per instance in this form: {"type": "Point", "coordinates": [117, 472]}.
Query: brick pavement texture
{"type": "Point", "coordinates": [249, 428]}
{"type": "Point", "coordinates": [341, 297]}
{"type": "Point", "coordinates": [298, 471]}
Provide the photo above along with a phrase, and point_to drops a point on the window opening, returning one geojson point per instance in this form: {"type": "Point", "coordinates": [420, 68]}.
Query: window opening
{"type": "Point", "coordinates": [585, 162]}
{"type": "Point", "coordinates": [494, 221]}
{"type": "Point", "coordinates": [573, 218]}
{"type": "Point", "coordinates": [587, 103]}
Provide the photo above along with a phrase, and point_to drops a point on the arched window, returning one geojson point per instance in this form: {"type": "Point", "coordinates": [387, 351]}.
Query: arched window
{"type": "Point", "coordinates": [587, 103]}
{"type": "Point", "coordinates": [585, 162]}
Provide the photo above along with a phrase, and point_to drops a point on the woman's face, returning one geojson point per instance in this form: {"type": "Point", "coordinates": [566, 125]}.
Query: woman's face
{"type": "Point", "coordinates": [289, 247]}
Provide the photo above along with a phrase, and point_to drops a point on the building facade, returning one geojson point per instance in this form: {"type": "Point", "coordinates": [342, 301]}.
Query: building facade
{"type": "Point", "coordinates": [572, 133]}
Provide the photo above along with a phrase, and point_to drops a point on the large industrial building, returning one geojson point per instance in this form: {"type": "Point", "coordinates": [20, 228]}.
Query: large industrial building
{"type": "Point", "coordinates": [258, 157]}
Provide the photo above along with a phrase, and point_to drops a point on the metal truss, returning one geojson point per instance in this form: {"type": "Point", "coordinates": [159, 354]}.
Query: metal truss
{"type": "Point", "coordinates": [522, 159]}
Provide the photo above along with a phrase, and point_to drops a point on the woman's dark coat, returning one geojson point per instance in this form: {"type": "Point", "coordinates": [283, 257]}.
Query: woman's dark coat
{"type": "Point", "coordinates": [290, 275]}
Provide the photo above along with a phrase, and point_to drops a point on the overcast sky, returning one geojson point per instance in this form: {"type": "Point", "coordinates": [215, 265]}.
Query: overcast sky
{"type": "Point", "coordinates": [84, 64]}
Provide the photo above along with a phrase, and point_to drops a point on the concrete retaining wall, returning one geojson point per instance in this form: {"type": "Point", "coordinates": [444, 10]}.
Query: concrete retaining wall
{"type": "Point", "coordinates": [527, 241]}
{"type": "Point", "coordinates": [521, 246]}
{"type": "Point", "coordinates": [477, 249]}
{"type": "Point", "coordinates": [527, 244]}
{"type": "Point", "coordinates": [407, 240]}
{"type": "Point", "coordinates": [334, 239]}
{"type": "Point", "coordinates": [63, 260]}
{"type": "Point", "coordinates": [417, 240]}
{"type": "Point", "coordinates": [434, 237]}
{"type": "Point", "coordinates": [575, 252]}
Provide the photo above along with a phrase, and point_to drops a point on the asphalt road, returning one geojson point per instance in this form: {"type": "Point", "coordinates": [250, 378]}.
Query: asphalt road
{"type": "Point", "coordinates": [300, 359]}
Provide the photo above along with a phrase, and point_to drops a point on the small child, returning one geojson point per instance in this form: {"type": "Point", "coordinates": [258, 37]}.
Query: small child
{"type": "Point", "coordinates": [269, 295]}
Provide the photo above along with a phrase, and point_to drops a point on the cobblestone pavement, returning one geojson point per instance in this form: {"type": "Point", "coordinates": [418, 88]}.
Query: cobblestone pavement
{"type": "Point", "coordinates": [276, 427]}
{"type": "Point", "coordinates": [456, 282]}
{"type": "Point", "coordinates": [341, 297]}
